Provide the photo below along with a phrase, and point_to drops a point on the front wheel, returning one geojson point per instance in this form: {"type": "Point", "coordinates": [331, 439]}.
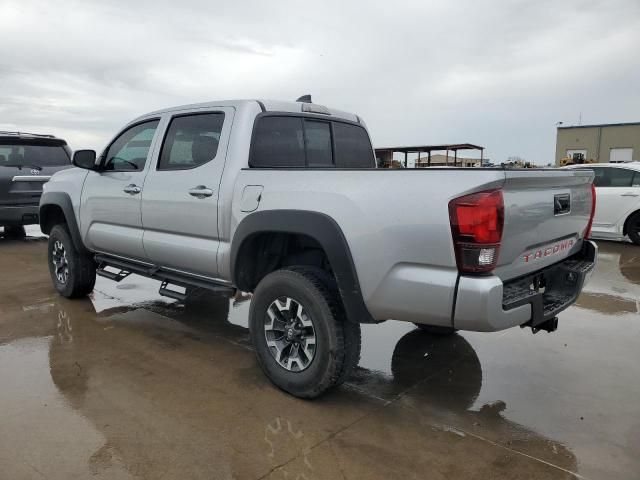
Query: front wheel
{"type": "Point", "coordinates": [73, 272]}
{"type": "Point", "coordinates": [633, 228]}
{"type": "Point", "coordinates": [303, 341]}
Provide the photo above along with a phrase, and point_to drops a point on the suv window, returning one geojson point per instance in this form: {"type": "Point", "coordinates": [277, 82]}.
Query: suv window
{"type": "Point", "coordinates": [191, 141]}
{"type": "Point", "coordinates": [129, 151]}
{"type": "Point", "coordinates": [278, 142]}
{"type": "Point", "coordinates": [33, 156]}
{"type": "Point", "coordinates": [353, 147]}
{"type": "Point", "coordinates": [615, 177]}
{"type": "Point", "coordinates": [291, 141]}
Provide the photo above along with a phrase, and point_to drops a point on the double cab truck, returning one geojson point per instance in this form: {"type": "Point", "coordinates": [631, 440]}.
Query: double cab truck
{"type": "Point", "coordinates": [284, 200]}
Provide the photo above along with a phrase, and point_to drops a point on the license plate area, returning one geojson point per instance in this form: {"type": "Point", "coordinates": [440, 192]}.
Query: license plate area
{"type": "Point", "coordinates": [551, 289]}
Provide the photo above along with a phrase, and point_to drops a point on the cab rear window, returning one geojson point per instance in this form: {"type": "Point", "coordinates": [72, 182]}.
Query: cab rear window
{"type": "Point", "coordinates": [299, 142]}
{"type": "Point", "coordinates": [353, 148]}
{"type": "Point", "coordinates": [33, 155]}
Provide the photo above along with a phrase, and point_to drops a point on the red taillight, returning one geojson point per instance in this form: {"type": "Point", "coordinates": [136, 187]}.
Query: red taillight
{"type": "Point", "coordinates": [587, 231]}
{"type": "Point", "coordinates": [476, 226]}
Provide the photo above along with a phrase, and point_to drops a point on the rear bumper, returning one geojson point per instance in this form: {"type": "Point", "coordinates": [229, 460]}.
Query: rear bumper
{"type": "Point", "coordinates": [487, 304]}
{"type": "Point", "coordinates": [19, 215]}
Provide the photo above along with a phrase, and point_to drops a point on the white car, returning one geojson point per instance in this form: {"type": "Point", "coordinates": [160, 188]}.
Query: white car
{"type": "Point", "coordinates": [617, 200]}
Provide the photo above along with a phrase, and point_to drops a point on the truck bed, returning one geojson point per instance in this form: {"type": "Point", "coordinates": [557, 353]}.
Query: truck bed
{"type": "Point", "coordinates": [397, 223]}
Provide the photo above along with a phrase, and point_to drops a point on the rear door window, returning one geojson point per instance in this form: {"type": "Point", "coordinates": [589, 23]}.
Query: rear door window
{"type": "Point", "coordinates": [191, 141]}
{"type": "Point", "coordinates": [353, 147]}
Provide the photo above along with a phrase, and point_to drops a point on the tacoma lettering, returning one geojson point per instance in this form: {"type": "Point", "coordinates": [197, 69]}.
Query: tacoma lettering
{"type": "Point", "coordinates": [548, 251]}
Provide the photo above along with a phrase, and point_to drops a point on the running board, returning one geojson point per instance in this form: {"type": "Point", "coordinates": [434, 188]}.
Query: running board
{"type": "Point", "coordinates": [167, 278]}
{"type": "Point", "coordinates": [115, 276]}
{"type": "Point", "coordinates": [165, 291]}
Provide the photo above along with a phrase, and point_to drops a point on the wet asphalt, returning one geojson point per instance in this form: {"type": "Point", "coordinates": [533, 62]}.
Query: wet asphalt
{"type": "Point", "coordinates": [128, 384]}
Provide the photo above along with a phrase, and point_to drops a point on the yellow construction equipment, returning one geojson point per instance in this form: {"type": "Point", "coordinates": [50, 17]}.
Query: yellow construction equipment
{"type": "Point", "coordinates": [576, 159]}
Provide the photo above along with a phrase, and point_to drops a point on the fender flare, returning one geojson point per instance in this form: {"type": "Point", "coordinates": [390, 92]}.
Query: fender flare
{"type": "Point", "coordinates": [63, 201]}
{"type": "Point", "coordinates": [327, 233]}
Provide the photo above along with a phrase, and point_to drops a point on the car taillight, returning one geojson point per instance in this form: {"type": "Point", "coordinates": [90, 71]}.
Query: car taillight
{"type": "Point", "coordinates": [587, 231]}
{"type": "Point", "coordinates": [476, 225]}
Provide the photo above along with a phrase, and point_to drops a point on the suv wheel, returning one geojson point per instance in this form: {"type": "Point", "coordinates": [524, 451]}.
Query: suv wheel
{"type": "Point", "coordinates": [633, 228]}
{"type": "Point", "coordinates": [303, 341]}
{"type": "Point", "coordinates": [14, 231]}
{"type": "Point", "coordinates": [72, 272]}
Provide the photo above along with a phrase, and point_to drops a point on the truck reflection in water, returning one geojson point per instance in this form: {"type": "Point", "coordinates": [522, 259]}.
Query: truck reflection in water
{"type": "Point", "coordinates": [171, 392]}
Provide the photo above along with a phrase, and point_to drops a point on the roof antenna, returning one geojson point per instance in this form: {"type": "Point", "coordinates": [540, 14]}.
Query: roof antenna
{"type": "Point", "coordinates": [304, 99]}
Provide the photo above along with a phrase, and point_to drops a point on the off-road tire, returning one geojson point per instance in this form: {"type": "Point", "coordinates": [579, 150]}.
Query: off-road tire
{"type": "Point", "coordinates": [633, 229]}
{"type": "Point", "coordinates": [436, 330]}
{"type": "Point", "coordinates": [337, 339]}
{"type": "Point", "coordinates": [81, 276]}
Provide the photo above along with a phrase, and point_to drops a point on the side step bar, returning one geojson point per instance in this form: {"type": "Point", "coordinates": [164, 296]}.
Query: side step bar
{"type": "Point", "coordinates": [168, 278]}
{"type": "Point", "coordinates": [115, 276]}
{"type": "Point", "coordinates": [165, 291]}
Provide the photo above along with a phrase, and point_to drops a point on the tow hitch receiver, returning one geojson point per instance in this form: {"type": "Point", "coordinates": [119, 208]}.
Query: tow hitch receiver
{"type": "Point", "coordinates": [550, 325]}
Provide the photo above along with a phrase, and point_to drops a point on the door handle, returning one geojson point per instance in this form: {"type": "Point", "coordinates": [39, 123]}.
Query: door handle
{"type": "Point", "coordinates": [630, 194]}
{"type": "Point", "coordinates": [132, 189]}
{"type": "Point", "coordinates": [200, 191]}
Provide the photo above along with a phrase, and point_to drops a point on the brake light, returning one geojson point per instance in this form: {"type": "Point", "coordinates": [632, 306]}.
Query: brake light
{"type": "Point", "coordinates": [587, 231]}
{"type": "Point", "coordinates": [477, 221]}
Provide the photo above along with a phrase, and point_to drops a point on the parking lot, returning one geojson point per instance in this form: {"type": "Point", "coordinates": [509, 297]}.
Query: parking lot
{"type": "Point", "coordinates": [133, 385]}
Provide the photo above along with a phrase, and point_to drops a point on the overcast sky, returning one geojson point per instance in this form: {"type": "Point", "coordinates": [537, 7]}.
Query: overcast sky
{"type": "Point", "coordinates": [498, 74]}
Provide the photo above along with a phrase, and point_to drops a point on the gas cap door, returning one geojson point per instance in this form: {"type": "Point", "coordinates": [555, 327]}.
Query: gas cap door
{"type": "Point", "coordinates": [251, 196]}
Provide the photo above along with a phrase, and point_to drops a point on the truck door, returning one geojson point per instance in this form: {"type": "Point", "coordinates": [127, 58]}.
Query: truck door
{"type": "Point", "coordinates": [110, 215]}
{"type": "Point", "coordinates": [181, 193]}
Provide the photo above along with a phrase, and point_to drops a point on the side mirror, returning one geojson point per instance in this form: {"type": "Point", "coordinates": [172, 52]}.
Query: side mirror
{"type": "Point", "coordinates": [85, 159]}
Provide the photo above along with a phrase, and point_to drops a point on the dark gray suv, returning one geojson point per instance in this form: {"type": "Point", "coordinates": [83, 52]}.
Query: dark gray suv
{"type": "Point", "coordinates": [27, 161]}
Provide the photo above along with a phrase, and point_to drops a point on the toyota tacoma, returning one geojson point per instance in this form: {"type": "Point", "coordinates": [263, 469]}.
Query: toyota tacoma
{"type": "Point", "coordinates": [284, 200]}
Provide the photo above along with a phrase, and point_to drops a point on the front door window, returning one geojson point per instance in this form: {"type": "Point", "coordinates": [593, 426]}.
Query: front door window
{"type": "Point", "coordinates": [129, 151]}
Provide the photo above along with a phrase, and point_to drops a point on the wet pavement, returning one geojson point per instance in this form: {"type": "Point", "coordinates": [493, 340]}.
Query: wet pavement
{"type": "Point", "coordinates": [129, 384]}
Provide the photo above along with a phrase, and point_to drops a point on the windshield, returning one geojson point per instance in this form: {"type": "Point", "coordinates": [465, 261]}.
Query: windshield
{"type": "Point", "coordinates": [33, 155]}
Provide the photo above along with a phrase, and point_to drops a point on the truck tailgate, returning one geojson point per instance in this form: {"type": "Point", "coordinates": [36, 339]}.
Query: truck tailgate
{"type": "Point", "coordinates": [546, 214]}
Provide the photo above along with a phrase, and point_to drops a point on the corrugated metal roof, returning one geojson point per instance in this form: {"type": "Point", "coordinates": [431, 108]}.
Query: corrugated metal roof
{"type": "Point", "coordinates": [600, 125]}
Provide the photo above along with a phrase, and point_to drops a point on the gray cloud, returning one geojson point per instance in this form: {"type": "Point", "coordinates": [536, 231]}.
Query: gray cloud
{"type": "Point", "coordinates": [500, 74]}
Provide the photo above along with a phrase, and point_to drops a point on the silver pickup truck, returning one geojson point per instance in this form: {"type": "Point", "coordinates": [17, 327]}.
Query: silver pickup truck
{"type": "Point", "coordinates": [283, 199]}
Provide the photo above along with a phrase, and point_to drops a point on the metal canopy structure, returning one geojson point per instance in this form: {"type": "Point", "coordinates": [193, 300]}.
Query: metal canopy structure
{"type": "Point", "coordinates": [389, 151]}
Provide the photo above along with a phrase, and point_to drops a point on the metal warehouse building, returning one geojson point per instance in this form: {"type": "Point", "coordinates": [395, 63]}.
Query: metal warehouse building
{"type": "Point", "coordinates": [612, 142]}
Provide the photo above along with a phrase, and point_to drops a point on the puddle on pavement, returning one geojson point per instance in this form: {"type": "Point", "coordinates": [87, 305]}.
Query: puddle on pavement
{"type": "Point", "coordinates": [33, 412]}
{"type": "Point", "coordinates": [527, 393]}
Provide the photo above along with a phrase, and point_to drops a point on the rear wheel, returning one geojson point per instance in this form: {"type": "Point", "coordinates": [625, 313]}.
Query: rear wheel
{"type": "Point", "coordinates": [14, 231]}
{"type": "Point", "coordinates": [633, 228]}
{"type": "Point", "coordinates": [436, 330]}
{"type": "Point", "coordinates": [304, 343]}
{"type": "Point", "coordinates": [73, 272]}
